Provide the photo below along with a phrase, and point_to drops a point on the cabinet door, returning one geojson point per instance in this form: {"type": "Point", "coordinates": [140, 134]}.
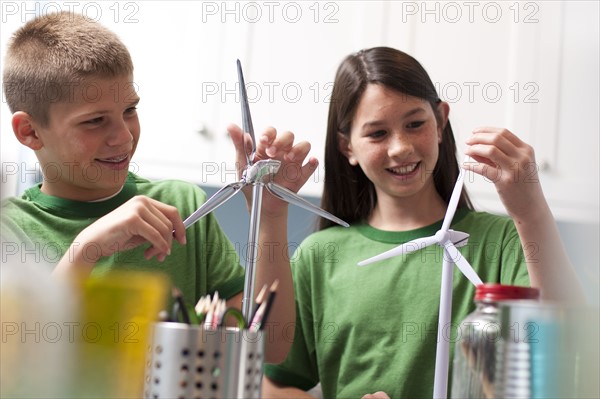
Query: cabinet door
{"type": "Point", "coordinates": [289, 52]}
{"type": "Point", "coordinates": [292, 63]}
{"type": "Point", "coordinates": [531, 67]}
{"type": "Point", "coordinates": [503, 64]}
{"type": "Point", "coordinates": [185, 98]}
{"type": "Point", "coordinates": [572, 178]}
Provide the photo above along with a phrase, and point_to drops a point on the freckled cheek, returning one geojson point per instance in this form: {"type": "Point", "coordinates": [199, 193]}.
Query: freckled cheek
{"type": "Point", "coordinates": [433, 153]}
{"type": "Point", "coordinates": [374, 156]}
{"type": "Point", "coordinates": [429, 145]}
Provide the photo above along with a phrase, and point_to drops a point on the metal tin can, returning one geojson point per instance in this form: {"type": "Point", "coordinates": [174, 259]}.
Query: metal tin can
{"type": "Point", "coordinates": [549, 350]}
{"type": "Point", "coordinates": [474, 370]}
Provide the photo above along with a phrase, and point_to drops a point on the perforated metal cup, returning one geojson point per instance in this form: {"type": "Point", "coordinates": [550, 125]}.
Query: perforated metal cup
{"type": "Point", "coordinates": [187, 361]}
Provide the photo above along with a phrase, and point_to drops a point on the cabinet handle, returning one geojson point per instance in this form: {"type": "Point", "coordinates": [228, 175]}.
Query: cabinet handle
{"type": "Point", "coordinates": [205, 132]}
{"type": "Point", "coordinates": [544, 166]}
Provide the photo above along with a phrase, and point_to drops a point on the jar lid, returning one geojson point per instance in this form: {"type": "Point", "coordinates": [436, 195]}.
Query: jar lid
{"type": "Point", "coordinates": [500, 292]}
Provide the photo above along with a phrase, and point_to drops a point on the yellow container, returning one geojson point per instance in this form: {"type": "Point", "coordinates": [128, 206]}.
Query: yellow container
{"type": "Point", "coordinates": [117, 310]}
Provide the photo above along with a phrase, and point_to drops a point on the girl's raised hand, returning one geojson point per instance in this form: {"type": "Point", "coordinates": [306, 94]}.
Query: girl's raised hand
{"type": "Point", "coordinates": [292, 174]}
{"type": "Point", "coordinates": [376, 395]}
{"type": "Point", "coordinates": [508, 162]}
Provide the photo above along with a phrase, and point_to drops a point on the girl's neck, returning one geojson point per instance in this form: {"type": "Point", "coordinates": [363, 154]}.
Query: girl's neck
{"type": "Point", "coordinates": [404, 214]}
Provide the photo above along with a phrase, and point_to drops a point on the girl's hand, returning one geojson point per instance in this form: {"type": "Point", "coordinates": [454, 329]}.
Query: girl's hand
{"type": "Point", "coordinates": [292, 173]}
{"type": "Point", "coordinates": [501, 157]}
{"type": "Point", "coordinates": [376, 395]}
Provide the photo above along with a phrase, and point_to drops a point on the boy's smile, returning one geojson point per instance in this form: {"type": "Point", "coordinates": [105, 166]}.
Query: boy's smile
{"type": "Point", "coordinates": [86, 148]}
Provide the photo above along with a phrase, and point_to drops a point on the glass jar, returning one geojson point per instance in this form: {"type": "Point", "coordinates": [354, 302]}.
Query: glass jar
{"type": "Point", "coordinates": [475, 352]}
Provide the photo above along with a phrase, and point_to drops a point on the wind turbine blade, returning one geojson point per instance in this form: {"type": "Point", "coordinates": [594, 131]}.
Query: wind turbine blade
{"type": "Point", "coordinates": [453, 203]}
{"type": "Point", "coordinates": [246, 117]}
{"type": "Point", "coordinates": [293, 198]}
{"type": "Point", "coordinates": [218, 199]}
{"type": "Point", "coordinates": [406, 248]}
{"type": "Point", "coordinates": [461, 262]}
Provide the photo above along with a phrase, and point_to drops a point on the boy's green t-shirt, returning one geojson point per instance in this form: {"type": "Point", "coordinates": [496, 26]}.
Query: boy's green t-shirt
{"type": "Point", "coordinates": [374, 328]}
{"type": "Point", "coordinates": [38, 228]}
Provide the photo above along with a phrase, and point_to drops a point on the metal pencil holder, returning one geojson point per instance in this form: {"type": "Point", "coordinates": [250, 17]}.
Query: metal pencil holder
{"type": "Point", "coordinates": [188, 361]}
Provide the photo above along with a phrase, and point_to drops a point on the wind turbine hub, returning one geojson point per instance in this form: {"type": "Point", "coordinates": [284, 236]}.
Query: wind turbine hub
{"type": "Point", "coordinates": [257, 172]}
{"type": "Point", "coordinates": [441, 237]}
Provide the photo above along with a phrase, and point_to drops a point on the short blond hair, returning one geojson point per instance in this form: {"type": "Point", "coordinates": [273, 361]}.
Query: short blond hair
{"type": "Point", "coordinates": [50, 55]}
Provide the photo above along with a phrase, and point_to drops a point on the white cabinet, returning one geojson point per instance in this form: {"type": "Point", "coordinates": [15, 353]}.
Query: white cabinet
{"type": "Point", "coordinates": [289, 53]}
{"type": "Point", "coordinates": [528, 66]}
{"type": "Point", "coordinates": [184, 59]}
{"type": "Point", "coordinates": [531, 67]}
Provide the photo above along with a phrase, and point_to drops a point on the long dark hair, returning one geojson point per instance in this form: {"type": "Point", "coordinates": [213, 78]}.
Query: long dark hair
{"type": "Point", "coordinates": [348, 193]}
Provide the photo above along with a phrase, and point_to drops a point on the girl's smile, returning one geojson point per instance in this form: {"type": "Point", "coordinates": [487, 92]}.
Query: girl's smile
{"type": "Point", "coordinates": [394, 139]}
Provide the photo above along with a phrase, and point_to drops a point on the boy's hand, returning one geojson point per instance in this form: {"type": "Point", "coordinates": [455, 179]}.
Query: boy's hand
{"type": "Point", "coordinates": [509, 163]}
{"type": "Point", "coordinates": [139, 220]}
{"type": "Point", "coordinates": [271, 145]}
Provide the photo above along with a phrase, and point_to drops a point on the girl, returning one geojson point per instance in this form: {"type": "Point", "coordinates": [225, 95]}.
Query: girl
{"type": "Point", "coordinates": [390, 163]}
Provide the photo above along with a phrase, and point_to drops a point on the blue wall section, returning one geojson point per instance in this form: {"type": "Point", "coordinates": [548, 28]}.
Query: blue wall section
{"type": "Point", "coordinates": [581, 240]}
{"type": "Point", "coordinates": [234, 218]}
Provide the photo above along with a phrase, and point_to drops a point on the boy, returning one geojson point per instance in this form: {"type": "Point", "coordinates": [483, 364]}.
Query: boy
{"type": "Point", "coordinates": [69, 83]}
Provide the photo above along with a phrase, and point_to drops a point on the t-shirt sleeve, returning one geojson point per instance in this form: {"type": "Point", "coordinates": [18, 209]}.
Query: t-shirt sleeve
{"type": "Point", "coordinates": [300, 368]}
{"type": "Point", "coordinates": [10, 231]}
{"type": "Point", "coordinates": [514, 267]}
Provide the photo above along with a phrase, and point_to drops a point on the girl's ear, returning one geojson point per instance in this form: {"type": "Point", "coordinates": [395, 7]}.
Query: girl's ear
{"type": "Point", "coordinates": [443, 110]}
{"type": "Point", "coordinates": [346, 148]}
{"type": "Point", "coordinates": [25, 130]}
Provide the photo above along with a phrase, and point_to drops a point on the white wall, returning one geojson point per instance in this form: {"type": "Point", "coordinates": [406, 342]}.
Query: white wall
{"type": "Point", "coordinates": [530, 66]}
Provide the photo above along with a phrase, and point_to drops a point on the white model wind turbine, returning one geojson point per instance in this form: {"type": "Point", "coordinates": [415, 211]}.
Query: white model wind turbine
{"type": "Point", "coordinates": [448, 240]}
{"type": "Point", "coordinates": [257, 174]}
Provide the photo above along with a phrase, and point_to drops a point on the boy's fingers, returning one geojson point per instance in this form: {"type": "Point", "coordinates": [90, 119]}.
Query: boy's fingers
{"type": "Point", "coordinates": [150, 234]}
{"type": "Point", "coordinates": [179, 234]}
{"type": "Point", "coordinates": [162, 220]}
{"type": "Point", "coordinates": [152, 251]}
{"type": "Point", "coordinates": [172, 221]}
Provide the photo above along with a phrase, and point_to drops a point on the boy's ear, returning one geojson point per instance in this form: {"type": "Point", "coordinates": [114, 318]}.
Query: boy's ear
{"type": "Point", "coordinates": [25, 130]}
{"type": "Point", "coordinates": [346, 149]}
